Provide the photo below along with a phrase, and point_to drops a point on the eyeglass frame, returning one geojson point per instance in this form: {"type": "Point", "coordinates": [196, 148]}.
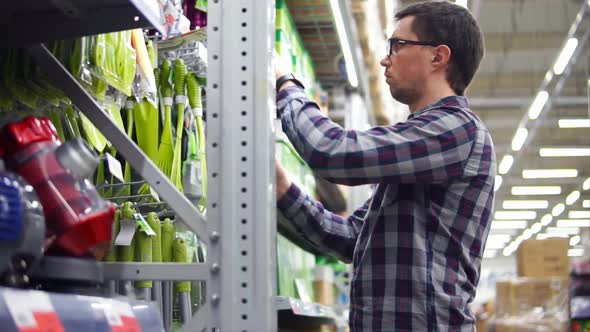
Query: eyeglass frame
{"type": "Point", "coordinates": [391, 41]}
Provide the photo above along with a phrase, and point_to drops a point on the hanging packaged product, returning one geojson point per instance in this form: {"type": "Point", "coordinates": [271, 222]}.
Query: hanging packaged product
{"type": "Point", "coordinates": [78, 220]}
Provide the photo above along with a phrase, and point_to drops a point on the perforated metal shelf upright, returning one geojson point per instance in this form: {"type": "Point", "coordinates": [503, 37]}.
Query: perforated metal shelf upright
{"type": "Point", "coordinates": [240, 230]}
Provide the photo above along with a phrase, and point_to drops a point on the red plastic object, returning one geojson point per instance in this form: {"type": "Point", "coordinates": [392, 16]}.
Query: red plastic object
{"type": "Point", "coordinates": [74, 212]}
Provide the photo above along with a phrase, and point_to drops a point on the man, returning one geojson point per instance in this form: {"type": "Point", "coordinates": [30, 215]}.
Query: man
{"type": "Point", "coordinates": [416, 245]}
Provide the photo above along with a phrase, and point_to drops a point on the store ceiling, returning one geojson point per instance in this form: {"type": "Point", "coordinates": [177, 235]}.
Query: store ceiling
{"type": "Point", "coordinates": [522, 39]}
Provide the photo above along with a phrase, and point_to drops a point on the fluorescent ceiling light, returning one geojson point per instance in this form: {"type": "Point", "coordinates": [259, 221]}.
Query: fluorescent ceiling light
{"type": "Point", "coordinates": [575, 240]}
{"type": "Point", "coordinates": [544, 236]}
{"type": "Point", "coordinates": [549, 173]}
{"type": "Point", "coordinates": [569, 152]}
{"type": "Point", "coordinates": [546, 220]}
{"type": "Point", "coordinates": [494, 245]}
{"type": "Point", "coordinates": [563, 230]}
{"type": "Point", "coordinates": [505, 164]}
{"type": "Point", "coordinates": [536, 228]}
{"type": "Point", "coordinates": [579, 215]}
{"type": "Point", "coordinates": [462, 3]}
{"type": "Point", "coordinates": [515, 215]}
{"type": "Point", "coordinates": [503, 238]}
{"type": "Point", "coordinates": [507, 251]}
{"type": "Point", "coordinates": [572, 198]}
{"type": "Point", "coordinates": [575, 252]}
{"type": "Point", "coordinates": [538, 104]}
{"type": "Point", "coordinates": [586, 203]}
{"type": "Point", "coordinates": [574, 123]}
{"type": "Point", "coordinates": [524, 205]}
{"type": "Point", "coordinates": [536, 190]}
{"type": "Point", "coordinates": [558, 209]}
{"type": "Point", "coordinates": [573, 223]}
{"type": "Point", "coordinates": [497, 182]}
{"type": "Point", "coordinates": [342, 36]}
{"type": "Point", "coordinates": [586, 184]}
{"type": "Point", "coordinates": [527, 234]}
{"type": "Point", "coordinates": [519, 138]}
{"type": "Point", "coordinates": [490, 253]}
{"type": "Point", "coordinates": [509, 224]}
{"type": "Point", "coordinates": [564, 57]}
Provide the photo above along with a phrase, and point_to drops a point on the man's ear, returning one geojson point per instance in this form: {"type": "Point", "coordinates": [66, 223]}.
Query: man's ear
{"type": "Point", "coordinates": [441, 56]}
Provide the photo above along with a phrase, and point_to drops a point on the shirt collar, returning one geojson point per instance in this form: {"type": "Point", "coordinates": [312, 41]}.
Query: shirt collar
{"type": "Point", "coordinates": [450, 101]}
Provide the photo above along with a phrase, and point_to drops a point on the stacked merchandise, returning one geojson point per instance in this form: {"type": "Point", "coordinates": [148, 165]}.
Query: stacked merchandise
{"type": "Point", "coordinates": [300, 274]}
{"type": "Point", "coordinates": [538, 300]}
{"type": "Point", "coordinates": [295, 266]}
{"type": "Point", "coordinates": [119, 218]}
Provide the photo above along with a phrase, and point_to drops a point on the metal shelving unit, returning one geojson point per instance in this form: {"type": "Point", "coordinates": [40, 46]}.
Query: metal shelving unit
{"type": "Point", "coordinates": [239, 232]}
{"type": "Point", "coordinates": [294, 313]}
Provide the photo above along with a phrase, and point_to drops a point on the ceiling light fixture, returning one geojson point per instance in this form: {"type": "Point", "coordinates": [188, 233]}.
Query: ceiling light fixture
{"type": "Point", "coordinates": [536, 190]}
{"type": "Point", "coordinates": [346, 49]}
{"type": "Point", "coordinates": [509, 224]}
{"type": "Point", "coordinates": [586, 203]}
{"type": "Point", "coordinates": [497, 182]}
{"type": "Point", "coordinates": [515, 215]}
{"type": "Point", "coordinates": [572, 198]}
{"type": "Point", "coordinates": [536, 228]}
{"type": "Point", "coordinates": [574, 123]}
{"type": "Point", "coordinates": [586, 184]}
{"type": "Point", "coordinates": [524, 205]}
{"type": "Point", "coordinates": [505, 164]}
{"type": "Point", "coordinates": [549, 173]}
{"type": "Point", "coordinates": [558, 209]}
{"type": "Point", "coordinates": [577, 252]}
{"type": "Point", "coordinates": [565, 56]}
{"type": "Point", "coordinates": [519, 138]}
{"type": "Point", "coordinates": [538, 104]}
{"type": "Point", "coordinates": [563, 231]}
{"type": "Point", "coordinates": [567, 152]}
{"type": "Point", "coordinates": [544, 236]}
{"type": "Point", "coordinates": [579, 215]}
{"type": "Point", "coordinates": [567, 223]}
{"type": "Point", "coordinates": [546, 220]}
{"type": "Point", "coordinates": [574, 240]}
{"type": "Point", "coordinates": [527, 234]}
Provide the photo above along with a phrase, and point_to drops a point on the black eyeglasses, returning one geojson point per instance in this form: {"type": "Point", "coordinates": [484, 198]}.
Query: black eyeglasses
{"type": "Point", "coordinates": [393, 45]}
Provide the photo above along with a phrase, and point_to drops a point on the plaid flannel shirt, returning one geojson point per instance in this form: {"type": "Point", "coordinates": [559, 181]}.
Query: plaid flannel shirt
{"type": "Point", "coordinates": [416, 245]}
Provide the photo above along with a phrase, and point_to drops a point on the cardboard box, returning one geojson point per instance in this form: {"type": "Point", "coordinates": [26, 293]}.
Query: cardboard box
{"type": "Point", "coordinates": [543, 258]}
{"type": "Point", "coordinates": [522, 296]}
{"type": "Point", "coordinates": [516, 325]}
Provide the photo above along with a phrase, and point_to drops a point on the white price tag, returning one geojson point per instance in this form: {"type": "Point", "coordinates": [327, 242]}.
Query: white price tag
{"type": "Point", "coordinates": [115, 167]}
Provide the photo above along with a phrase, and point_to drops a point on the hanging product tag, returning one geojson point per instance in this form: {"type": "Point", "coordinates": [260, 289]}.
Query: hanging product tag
{"type": "Point", "coordinates": [126, 232]}
{"type": "Point", "coordinates": [32, 311]}
{"type": "Point", "coordinates": [143, 225]}
{"type": "Point", "coordinates": [114, 167]}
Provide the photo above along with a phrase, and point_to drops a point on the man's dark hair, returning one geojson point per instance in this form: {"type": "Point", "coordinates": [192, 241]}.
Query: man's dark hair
{"type": "Point", "coordinates": [451, 25]}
